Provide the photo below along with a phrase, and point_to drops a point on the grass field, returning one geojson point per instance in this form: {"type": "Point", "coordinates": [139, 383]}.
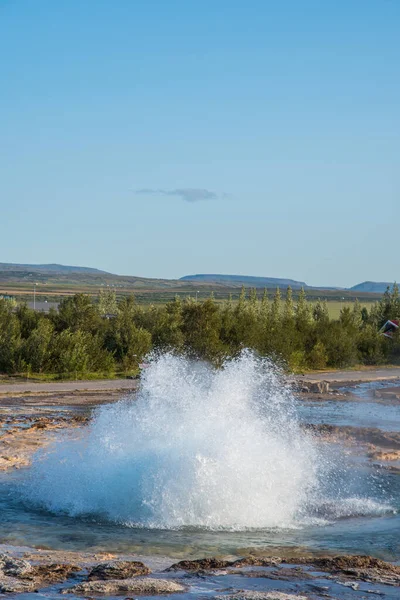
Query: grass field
{"type": "Point", "coordinates": [147, 297]}
{"type": "Point", "coordinates": [334, 307]}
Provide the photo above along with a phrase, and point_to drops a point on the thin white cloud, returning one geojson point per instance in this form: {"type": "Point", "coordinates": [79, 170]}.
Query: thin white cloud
{"type": "Point", "coordinates": [186, 194]}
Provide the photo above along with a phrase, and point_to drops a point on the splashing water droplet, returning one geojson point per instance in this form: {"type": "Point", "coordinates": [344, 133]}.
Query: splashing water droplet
{"type": "Point", "coordinates": [198, 447]}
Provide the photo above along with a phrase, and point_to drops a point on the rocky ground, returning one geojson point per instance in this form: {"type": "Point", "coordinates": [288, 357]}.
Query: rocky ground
{"type": "Point", "coordinates": [21, 437]}
{"type": "Point", "coordinates": [380, 446]}
{"type": "Point", "coordinates": [28, 422]}
{"type": "Point", "coordinates": [388, 394]}
{"type": "Point", "coordinates": [54, 574]}
{"type": "Point", "coordinates": [351, 377]}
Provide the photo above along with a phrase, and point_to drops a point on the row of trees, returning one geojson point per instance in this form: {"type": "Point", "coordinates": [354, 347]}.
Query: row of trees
{"type": "Point", "coordinates": [108, 336]}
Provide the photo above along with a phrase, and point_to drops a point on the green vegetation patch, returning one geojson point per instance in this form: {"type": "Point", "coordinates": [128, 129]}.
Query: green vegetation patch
{"type": "Point", "coordinates": [99, 337]}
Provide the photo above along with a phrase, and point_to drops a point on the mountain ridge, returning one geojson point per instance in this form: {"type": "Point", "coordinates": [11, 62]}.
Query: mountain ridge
{"type": "Point", "coordinates": [250, 280]}
{"type": "Point", "coordinates": [51, 271]}
{"type": "Point", "coordinates": [49, 268]}
{"type": "Point", "coordinates": [371, 286]}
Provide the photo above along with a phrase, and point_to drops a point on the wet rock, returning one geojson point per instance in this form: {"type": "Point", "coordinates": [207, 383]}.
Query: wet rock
{"type": "Point", "coordinates": [374, 576]}
{"type": "Point", "coordinates": [12, 585]}
{"type": "Point", "coordinates": [41, 423]}
{"type": "Point", "coordinates": [203, 564]}
{"type": "Point", "coordinates": [350, 562]}
{"type": "Point", "coordinates": [360, 568]}
{"type": "Point", "coordinates": [321, 589]}
{"type": "Point", "coordinates": [385, 456]}
{"type": "Point", "coordinates": [366, 435]}
{"type": "Point", "coordinates": [257, 561]}
{"type": "Point", "coordinates": [391, 394]}
{"type": "Point", "coordinates": [118, 570]}
{"type": "Point", "coordinates": [11, 572]}
{"type": "Point", "coordinates": [53, 573]}
{"type": "Point", "coordinates": [147, 586]}
{"type": "Point", "coordinates": [350, 584]}
{"type": "Point", "coordinates": [318, 387]}
{"type": "Point", "coordinates": [281, 574]}
{"type": "Point", "coordinates": [14, 567]}
{"type": "Point", "coordinates": [19, 576]}
{"type": "Point", "coordinates": [354, 568]}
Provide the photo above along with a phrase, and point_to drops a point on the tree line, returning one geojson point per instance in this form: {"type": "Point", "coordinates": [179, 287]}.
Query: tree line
{"type": "Point", "coordinates": [107, 336]}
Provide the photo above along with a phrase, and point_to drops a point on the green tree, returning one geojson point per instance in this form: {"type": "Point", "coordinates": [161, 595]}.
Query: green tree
{"type": "Point", "coordinates": [318, 357]}
{"type": "Point", "coordinates": [228, 332]}
{"type": "Point", "coordinates": [340, 344]}
{"type": "Point", "coordinates": [28, 319]}
{"type": "Point", "coordinates": [107, 302]}
{"type": "Point", "coordinates": [167, 331]}
{"type": "Point", "coordinates": [245, 332]}
{"type": "Point", "coordinates": [79, 352]}
{"type": "Point", "coordinates": [389, 307]}
{"type": "Point", "coordinates": [321, 313]}
{"type": "Point", "coordinates": [36, 349]}
{"type": "Point", "coordinates": [358, 319]}
{"type": "Point", "coordinates": [303, 321]}
{"type": "Point", "coordinates": [69, 351]}
{"type": "Point", "coordinates": [124, 339]}
{"type": "Point", "coordinates": [10, 338]}
{"type": "Point", "coordinates": [287, 343]}
{"type": "Point", "coordinates": [372, 347]}
{"type": "Point", "coordinates": [201, 328]}
{"type": "Point", "coordinates": [275, 315]}
{"type": "Point", "coordinates": [78, 313]}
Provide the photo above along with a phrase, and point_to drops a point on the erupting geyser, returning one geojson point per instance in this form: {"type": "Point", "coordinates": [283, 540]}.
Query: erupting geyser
{"type": "Point", "coordinates": [197, 447]}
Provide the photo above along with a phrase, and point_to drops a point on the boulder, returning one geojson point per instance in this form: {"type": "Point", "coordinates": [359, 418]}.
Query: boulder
{"type": "Point", "coordinates": [258, 561]}
{"type": "Point", "coordinates": [358, 567]}
{"type": "Point", "coordinates": [53, 573]}
{"type": "Point", "coordinates": [18, 576]}
{"type": "Point", "coordinates": [140, 585]}
{"type": "Point", "coordinates": [12, 585]}
{"type": "Point", "coordinates": [14, 567]}
{"type": "Point", "coordinates": [118, 570]}
{"type": "Point", "coordinates": [318, 387]}
{"type": "Point", "coordinates": [202, 564]}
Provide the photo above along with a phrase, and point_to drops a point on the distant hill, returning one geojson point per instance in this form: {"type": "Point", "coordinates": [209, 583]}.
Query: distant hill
{"type": "Point", "coordinates": [378, 287]}
{"type": "Point", "coordinates": [247, 280]}
{"type": "Point", "coordinates": [16, 276]}
{"type": "Point", "coordinates": [51, 268]}
{"type": "Point", "coordinates": [53, 280]}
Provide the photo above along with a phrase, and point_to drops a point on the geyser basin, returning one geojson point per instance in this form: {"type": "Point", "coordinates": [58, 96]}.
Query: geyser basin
{"type": "Point", "coordinates": [202, 462]}
{"type": "Point", "coordinates": [198, 447]}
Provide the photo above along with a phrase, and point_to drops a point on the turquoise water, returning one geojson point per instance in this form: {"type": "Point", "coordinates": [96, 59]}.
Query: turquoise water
{"type": "Point", "coordinates": [21, 524]}
{"type": "Point", "coordinates": [357, 413]}
{"type": "Point", "coordinates": [356, 509]}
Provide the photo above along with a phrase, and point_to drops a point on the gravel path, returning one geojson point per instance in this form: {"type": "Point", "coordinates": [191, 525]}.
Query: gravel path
{"type": "Point", "coordinates": [343, 377]}
{"type": "Point", "coordinates": [67, 386]}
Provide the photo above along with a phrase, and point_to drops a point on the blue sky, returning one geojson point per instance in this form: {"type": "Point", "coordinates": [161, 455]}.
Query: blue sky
{"type": "Point", "coordinates": [166, 137]}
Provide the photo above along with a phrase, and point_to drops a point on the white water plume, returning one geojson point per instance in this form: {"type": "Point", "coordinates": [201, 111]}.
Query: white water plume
{"type": "Point", "coordinates": [198, 447]}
